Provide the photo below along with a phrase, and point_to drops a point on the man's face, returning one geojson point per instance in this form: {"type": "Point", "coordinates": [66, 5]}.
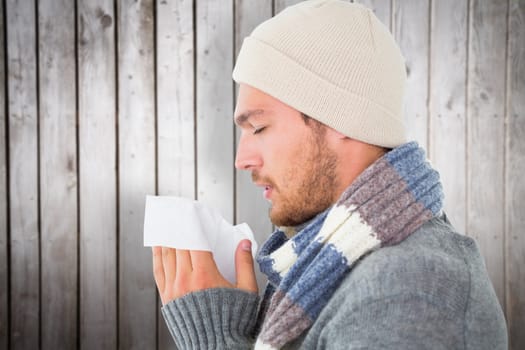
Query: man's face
{"type": "Point", "coordinates": [290, 159]}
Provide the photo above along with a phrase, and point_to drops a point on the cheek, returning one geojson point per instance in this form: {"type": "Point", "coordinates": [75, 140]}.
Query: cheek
{"type": "Point", "coordinates": [293, 167]}
{"type": "Point", "coordinates": [284, 152]}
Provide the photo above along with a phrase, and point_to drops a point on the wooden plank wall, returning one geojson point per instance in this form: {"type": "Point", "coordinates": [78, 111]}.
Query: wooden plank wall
{"type": "Point", "coordinates": [97, 175]}
{"type": "Point", "coordinates": [105, 101]}
{"type": "Point", "coordinates": [58, 173]}
{"type": "Point", "coordinates": [4, 267]}
{"type": "Point", "coordinates": [24, 277]}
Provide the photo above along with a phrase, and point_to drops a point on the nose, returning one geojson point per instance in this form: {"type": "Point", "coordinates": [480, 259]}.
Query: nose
{"type": "Point", "coordinates": [248, 157]}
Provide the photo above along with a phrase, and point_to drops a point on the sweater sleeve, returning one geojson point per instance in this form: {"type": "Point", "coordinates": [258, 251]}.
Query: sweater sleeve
{"type": "Point", "coordinates": [218, 318]}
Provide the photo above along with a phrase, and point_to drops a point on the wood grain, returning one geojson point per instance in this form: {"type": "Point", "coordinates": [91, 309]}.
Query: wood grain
{"type": "Point", "coordinates": [486, 129]}
{"type": "Point", "coordinates": [23, 169]}
{"type": "Point", "coordinates": [447, 138]}
{"type": "Point", "coordinates": [4, 259]}
{"type": "Point", "coordinates": [215, 130]}
{"type": "Point", "coordinates": [175, 98]}
{"type": "Point", "coordinates": [381, 8]}
{"type": "Point", "coordinates": [411, 30]}
{"type": "Point", "coordinates": [515, 186]}
{"type": "Point", "coordinates": [58, 173]}
{"type": "Point", "coordinates": [280, 5]}
{"type": "Point", "coordinates": [136, 140]}
{"type": "Point", "coordinates": [97, 175]}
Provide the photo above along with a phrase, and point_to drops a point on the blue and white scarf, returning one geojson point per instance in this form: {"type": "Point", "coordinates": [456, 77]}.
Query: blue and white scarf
{"type": "Point", "coordinates": [386, 203]}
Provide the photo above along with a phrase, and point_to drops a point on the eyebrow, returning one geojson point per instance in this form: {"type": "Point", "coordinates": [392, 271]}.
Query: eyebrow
{"type": "Point", "coordinates": [243, 117]}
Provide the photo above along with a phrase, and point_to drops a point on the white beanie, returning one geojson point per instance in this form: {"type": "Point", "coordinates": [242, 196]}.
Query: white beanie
{"type": "Point", "coordinates": [333, 61]}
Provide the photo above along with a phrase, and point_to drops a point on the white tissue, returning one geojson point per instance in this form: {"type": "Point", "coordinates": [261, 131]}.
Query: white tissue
{"type": "Point", "coordinates": [183, 223]}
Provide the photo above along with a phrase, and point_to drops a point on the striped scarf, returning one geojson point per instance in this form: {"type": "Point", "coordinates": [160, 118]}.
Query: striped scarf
{"type": "Point", "coordinates": [391, 199]}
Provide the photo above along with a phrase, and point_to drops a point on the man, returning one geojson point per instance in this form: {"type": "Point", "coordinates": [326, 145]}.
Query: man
{"type": "Point", "coordinates": [364, 257]}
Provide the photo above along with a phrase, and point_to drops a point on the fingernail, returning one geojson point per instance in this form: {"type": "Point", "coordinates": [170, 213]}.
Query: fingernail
{"type": "Point", "coordinates": [246, 245]}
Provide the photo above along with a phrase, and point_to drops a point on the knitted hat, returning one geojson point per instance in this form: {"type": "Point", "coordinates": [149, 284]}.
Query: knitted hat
{"type": "Point", "coordinates": [333, 61]}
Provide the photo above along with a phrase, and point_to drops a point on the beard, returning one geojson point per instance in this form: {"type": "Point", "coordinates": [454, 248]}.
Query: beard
{"type": "Point", "coordinates": [306, 189]}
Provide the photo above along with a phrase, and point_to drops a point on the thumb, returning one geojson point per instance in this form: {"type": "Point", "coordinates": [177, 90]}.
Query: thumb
{"type": "Point", "coordinates": [244, 267]}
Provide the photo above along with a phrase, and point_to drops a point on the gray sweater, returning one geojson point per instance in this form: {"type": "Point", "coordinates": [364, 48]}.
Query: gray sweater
{"type": "Point", "coordinates": [430, 291]}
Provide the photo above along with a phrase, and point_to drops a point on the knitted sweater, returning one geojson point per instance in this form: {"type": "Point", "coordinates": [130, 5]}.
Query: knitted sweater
{"type": "Point", "coordinates": [431, 291]}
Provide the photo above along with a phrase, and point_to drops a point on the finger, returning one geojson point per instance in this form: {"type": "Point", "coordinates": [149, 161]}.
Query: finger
{"type": "Point", "coordinates": [244, 267]}
{"type": "Point", "coordinates": [158, 268]}
{"type": "Point", "coordinates": [202, 260]}
{"type": "Point", "coordinates": [205, 272]}
{"type": "Point", "coordinates": [183, 274]}
{"type": "Point", "coordinates": [170, 264]}
{"type": "Point", "coordinates": [183, 261]}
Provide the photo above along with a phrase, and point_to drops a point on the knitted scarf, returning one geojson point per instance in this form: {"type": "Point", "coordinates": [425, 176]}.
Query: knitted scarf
{"type": "Point", "coordinates": [385, 204]}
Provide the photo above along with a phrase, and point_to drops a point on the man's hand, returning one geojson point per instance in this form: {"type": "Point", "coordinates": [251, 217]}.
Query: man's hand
{"type": "Point", "coordinates": [178, 272]}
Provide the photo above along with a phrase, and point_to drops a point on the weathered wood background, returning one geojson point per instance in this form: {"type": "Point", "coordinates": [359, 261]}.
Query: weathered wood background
{"type": "Point", "coordinates": [105, 101]}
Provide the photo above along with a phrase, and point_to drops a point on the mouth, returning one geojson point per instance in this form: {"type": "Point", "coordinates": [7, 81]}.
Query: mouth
{"type": "Point", "coordinates": [267, 192]}
{"type": "Point", "coordinates": [264, 182]}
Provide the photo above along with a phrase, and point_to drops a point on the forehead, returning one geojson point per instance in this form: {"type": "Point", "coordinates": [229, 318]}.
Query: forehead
{"type": "Point", "coordinates": [250, 98]}
{"type": "Point", "coordinates": [254, 104]}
